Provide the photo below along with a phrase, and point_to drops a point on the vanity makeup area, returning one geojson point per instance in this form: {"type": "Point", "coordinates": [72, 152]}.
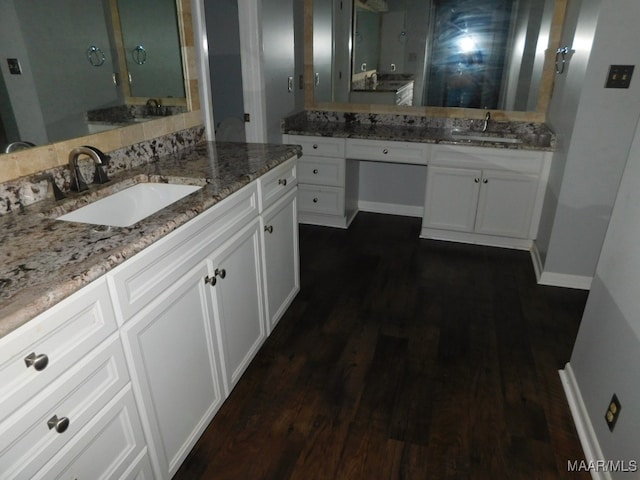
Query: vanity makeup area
{"type": "Point", "coordinates": [474, 173]}
{"type": "Point", "coordinates": [118, 344]}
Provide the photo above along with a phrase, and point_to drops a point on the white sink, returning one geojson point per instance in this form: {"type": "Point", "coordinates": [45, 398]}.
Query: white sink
{"type": "Point", "coordinates": [126, 207]}
{"type": "Point", "coordinates": [478, 137]}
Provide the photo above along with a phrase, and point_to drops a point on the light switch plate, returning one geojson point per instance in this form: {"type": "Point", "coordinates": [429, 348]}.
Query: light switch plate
{"type": "Point", "coordinates": [14, 66]}
{"type": "Point", "coordinates": [619, 76]}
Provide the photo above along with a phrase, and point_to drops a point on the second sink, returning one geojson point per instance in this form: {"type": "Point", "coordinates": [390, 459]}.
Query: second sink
{"type": "Point", "coordinates": [129, 206]}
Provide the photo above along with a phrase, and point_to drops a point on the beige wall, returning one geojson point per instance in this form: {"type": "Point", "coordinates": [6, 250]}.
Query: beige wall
{"type": "Point", "coordinates": [23, 163]}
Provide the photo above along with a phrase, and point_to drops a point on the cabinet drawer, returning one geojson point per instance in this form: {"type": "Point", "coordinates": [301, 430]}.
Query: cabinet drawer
{"type": "Point", "coordinates": [319, 146]}
{"type": "Point", "coordinates": [111, 446]}
{"type": "Point", "coordinates": [388, 151]}
{"type": "Point", "coordinates": [137, 282]}
{"type": "Point", "coordinates": [523, 161]}
{"type": "Point", "coordinates": [325, 200]}
{"type": "Point", "coordinates": [27, 442]}
{"type": "Point", "coordinates": [276, 183]}
{"type": "Point", "coordinates": [61, 336]}
{"type": "Point", "coordinates": [321, 171]}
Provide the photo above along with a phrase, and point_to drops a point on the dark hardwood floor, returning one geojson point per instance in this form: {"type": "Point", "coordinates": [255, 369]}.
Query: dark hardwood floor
{"type": "Point", "coordinates": [403, 358]}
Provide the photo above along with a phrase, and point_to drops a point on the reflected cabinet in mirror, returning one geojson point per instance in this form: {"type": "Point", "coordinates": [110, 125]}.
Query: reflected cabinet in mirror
{"type": "Point", "coordinates": [73, 68]}
{"type": "Point", "coordinates": [438, 56]}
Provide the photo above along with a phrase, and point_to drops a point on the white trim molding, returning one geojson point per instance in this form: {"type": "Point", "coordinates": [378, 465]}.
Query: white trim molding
{"type": "Point", "coordinates": [202, 48]}
{"type": "Point", "coordinates": [391, 208]}
{"type": "Point", "coordinates": [586, 433]}
{"type": "Point", "coordinates": [253, 85]}
{"type": "Point", "coordinates": [554, 279]}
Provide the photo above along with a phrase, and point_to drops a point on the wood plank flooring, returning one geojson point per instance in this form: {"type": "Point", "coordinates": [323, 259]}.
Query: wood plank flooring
{"type": "Point", "coordinates": [403, 358]}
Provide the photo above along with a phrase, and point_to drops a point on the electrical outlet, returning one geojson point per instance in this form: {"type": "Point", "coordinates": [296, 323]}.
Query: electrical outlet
{"type": "Point", "coordinates": [613, 412]}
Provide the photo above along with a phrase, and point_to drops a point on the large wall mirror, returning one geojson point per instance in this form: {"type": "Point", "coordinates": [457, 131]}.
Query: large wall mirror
{"type": "Point", "coordinates": [71, 68]}
{"type": "Point", "coordinates": [440, 57]}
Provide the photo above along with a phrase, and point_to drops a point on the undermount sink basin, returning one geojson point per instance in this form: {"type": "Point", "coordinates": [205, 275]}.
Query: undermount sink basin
{"type": "Point", "coordinates": [126, 207]}
{"type": "Point", "coordinates": [485, 137]}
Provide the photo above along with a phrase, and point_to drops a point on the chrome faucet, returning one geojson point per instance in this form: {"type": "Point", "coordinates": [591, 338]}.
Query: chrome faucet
{"type": "Point", "coordinates": [487, 117]}
{"type": "Point", "coordinates": [78, 183]}
{"type": "Point", "coordinates": [154, 107]}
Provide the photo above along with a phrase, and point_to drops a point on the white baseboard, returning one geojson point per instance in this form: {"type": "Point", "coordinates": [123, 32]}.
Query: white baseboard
{"type": "Point", "coordinates": [391, 208]}
{"type": "Point", "coordinates": [475, 239]}
{"type": "Point", "coordinates": [588, 439]}
{"type": "Point", "coordinates": [563, 280]}
{"type": "Point", "coordinates": [536, 259]}
{"type": "Point", "coordinates": [553, 279]}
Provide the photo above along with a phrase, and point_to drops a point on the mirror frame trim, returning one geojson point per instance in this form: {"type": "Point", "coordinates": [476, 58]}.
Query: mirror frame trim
{"type": "Point", "coordinates": [37, 159]}
{"type": "Point", "coordinates": [539, 115]}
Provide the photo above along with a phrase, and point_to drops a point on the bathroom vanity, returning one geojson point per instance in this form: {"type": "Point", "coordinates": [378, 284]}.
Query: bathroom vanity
{"type": "Point", "coordinates": [120, 378]}
{"type": "Point", "coordinates": [484, 187]}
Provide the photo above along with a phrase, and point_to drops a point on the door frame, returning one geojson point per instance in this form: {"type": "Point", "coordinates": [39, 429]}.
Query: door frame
{"type": "Point", "coordinates": [253, 86]}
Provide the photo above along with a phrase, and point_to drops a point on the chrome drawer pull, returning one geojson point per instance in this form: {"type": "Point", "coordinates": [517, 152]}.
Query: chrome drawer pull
{"type": "Point", "coordinates": [385, 151]}
{"type": "Point", "coordinates": [283, 182]}
{"type": "Point", "coordinates": [315, 200]}
{"type": "Point", "coordinates": [315, 171]}
{"type": "Point", "coordinates": [268, 229]}
{"type": "Point", "coordinates": [39, 362]}
{"type": "Point", "coordinates": [220, 272]}
{"type": "Point", "coordinates": [60, 424]}
{"type": "Point", "coordinates": [210, 280]}
{"type": "Point", "coordinates": [315, 146]}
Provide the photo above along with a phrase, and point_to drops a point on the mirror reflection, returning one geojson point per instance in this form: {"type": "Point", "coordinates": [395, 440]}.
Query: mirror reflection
{"type": "Point", "coordinates": [64, 67]}
{"type": "Point", "coordinates": [437, 53]}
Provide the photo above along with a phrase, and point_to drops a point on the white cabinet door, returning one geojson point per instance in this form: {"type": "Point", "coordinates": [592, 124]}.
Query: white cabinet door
{"type": "Point", "coordinates": [111, 447]}
{"type": "Point", "coordinates": [451, 198]}
{"type": "Point", "coordinates": [280, 257]}
{"type": "Point", "coordinates": [506, 203]}
{"type": "Point", "coordinates": [173, 361]}
{"type": "Point", "coordinates": [237, 277]}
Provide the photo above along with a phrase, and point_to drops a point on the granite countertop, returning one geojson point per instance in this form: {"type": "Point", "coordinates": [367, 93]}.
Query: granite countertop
{"type": "Point", "coordinates": [406, 128]}
{"type": "Point", "coordinates": [43, 260]}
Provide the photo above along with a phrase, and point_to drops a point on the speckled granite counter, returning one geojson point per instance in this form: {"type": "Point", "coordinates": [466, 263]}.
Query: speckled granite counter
{"type": "Point", "coordinates": [407, 128]}
{"type": "Point", "coordinates": [43, 260]}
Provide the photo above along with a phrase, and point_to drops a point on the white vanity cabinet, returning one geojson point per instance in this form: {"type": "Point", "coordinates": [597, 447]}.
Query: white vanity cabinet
{"type": "Point", "coordinates": [119, 380]}
{"type": "Point", "coordinates": [328, 184]}
{"type": "Point", "coordinates": [235, 280]}
{"type": "Point", "coordinates": [174, 362]}
{"type": "Point", "coordinates": [62, 373]}
{"type": "Point", "coordinates": [482, 195]}
{"type": "Point", "coordinates": [193, 315]}
{"type": "Point", "coordinates": [280, 257]}
{"type": "Point", "coordinates": [279, 239]}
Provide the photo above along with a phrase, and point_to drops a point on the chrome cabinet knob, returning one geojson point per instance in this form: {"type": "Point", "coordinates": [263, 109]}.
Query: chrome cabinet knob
{"type": "Point", "coordinates": [315, 200]}
{"type": "Point", "coordinates": [385, 151]}
{"type": "Point", "coordinates": [210, 280]}
{"type": "Point", "coordinates": [268, 229]}
{"type": "Point", "coordinates": [315, 146]}
{"type": "Point", "coordinates": [39, 362]}
{"type": "Point", "coordinates": [476, 180]}
{"type": "Point", "coordinates": [283, 182]}
{"type": "Point", "coordinates": [485, 180]}
{"type": "Point", "coordinates": [315, 171]}
{"type": "Point", "coordinates": [220, 272]}
{"type": "Point", "coordinates": [60, 424]}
